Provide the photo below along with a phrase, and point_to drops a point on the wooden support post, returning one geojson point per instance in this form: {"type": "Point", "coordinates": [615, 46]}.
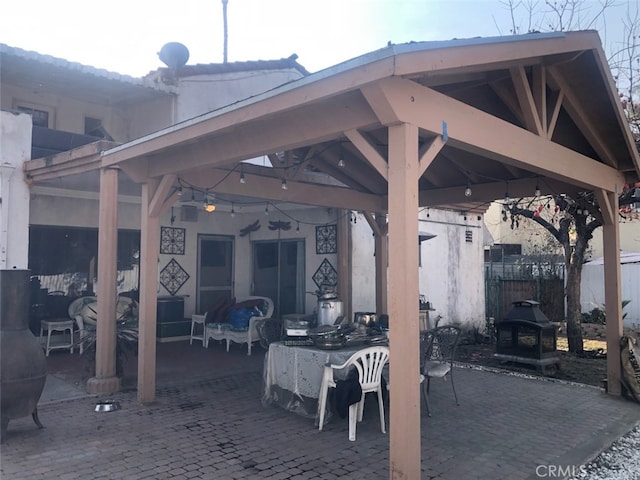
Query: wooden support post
{"type": "Point", "coordinates": [612, 288]}
{"type": "Point", "coordinates": [105, 380]}
{"type": "Point", "coordinates": [150, 249]}
{"type": "Point", "coordinates": [404, 421]}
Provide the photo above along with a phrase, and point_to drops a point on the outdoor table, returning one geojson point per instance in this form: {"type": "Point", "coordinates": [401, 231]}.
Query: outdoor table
{"type": "Point", "coordinates": [293, 374]}
{"type": "Point", "coordinates": [56, 325]}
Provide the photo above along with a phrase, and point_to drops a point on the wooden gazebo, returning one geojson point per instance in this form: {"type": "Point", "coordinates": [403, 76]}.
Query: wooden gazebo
{"type": "Point", "coordinates": [414, 124]}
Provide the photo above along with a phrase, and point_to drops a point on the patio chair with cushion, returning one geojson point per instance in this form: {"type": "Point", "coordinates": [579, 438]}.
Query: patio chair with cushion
{"type": "Point", "coordinates": [369, 364]}
{"type": "Point", "coordinates": [438, 349]}
{"type": "Point", "coordinates": [238, 322]}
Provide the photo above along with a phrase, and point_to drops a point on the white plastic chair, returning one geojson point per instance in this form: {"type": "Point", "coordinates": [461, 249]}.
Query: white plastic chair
{"type": "Point", "coordinates": [369, 363]}
{"type": "Point", "coordinates": [196, 322]}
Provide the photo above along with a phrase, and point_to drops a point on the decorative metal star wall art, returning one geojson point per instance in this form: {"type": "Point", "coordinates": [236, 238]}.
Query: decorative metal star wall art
{"type": "Point", "coordinates": [173, 277]}
{"type": "Point", "coordinates": [172, 240]}
{"type": "Point", "coordinates": [325, 275]}
{"type": "Point", "coordinates": [326, 239]}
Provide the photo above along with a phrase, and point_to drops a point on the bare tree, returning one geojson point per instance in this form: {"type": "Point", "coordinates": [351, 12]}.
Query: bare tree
{"type": "Point", "coordinates": [572, 221]}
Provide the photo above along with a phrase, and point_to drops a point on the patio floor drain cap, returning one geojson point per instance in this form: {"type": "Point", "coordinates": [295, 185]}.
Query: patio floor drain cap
{"type": "Point", "coordinates": [107, 406]}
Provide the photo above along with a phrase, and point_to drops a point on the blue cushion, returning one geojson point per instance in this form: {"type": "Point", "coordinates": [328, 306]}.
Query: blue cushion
{"type": "Point", "coordinates": [239, 318]}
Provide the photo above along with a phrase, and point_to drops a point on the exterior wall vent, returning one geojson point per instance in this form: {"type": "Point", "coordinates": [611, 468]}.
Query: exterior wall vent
{"type": "Point", "coordinates": [188, 213]}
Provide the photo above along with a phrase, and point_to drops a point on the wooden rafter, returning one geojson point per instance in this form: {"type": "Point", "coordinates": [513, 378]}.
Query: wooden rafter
{"type": "Point", "coordinates": [427, 154]}
{"type": "Point", "coordinates": [525, 100]}
{"type": "Point", "coordinates": [579, 116]}
{"type": "Point", "coordinates": [475, 131]}
{"type": "Point", "coordinates": [369, 152]}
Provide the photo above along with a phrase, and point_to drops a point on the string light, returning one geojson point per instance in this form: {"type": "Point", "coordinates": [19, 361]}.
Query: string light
{"type": "Point", "coordinates": [467, 191]}
{"type": "Point", "coordinates": [284, 184]}
{"type": "Point", "coordinates": [537, 192]}
{"type": "Point", "coordinates": [180, 191]}
{"type": "Point", "coordinates": [233, 212]}
{"type": "Point", "coordinates": [341, 163]}
{"type": "Point", "coordinates": [266, 209]}
{"type": "Point", "coordinates": [209, 205]}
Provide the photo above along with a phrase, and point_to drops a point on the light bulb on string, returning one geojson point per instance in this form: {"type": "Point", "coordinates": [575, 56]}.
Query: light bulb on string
{"type": "Point", "coordinates": [266, 209]}
{"type": "Point", "coordinates": [209, 203]}
{"type": "Point", "coordinates": [341, 163]}
{"type": "Point", "coordinates": [233, 212]}
{"type": "Point", "coordinates": [467, 191]}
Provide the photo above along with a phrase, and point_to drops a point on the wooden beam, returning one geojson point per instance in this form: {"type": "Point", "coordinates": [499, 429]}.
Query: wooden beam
{"type": "Point", "coordinates": [273, 158]}
{"type": "Point", "coordinates": [149, 251]}
{"type": "Point", "coordinates": [78, 160]}
{"type": "Point", "coordinates": [218, 144]}
{"type": "Point", "coordinates": [372, 223]}
{"type": "Point", "coordinates": [557, 98]}
{"type": "Point", "coordinates": [163, 197]}
{"type": "Point", "coordinates": [612, 288]}
{"type": "Point", "coordinates": [485, 193]}
{"type": "Point", "coordinates": [539, 92]}
{"type": "Point", "coordinates": [576, 111]}
{"type": "Point", "coordinates": [428, 153]}
{"type": "Point", "coordinates": [526, 100]}
{"type": "Point", "coordinates": [369, 152]}
{"type": "Point", "coordinates": [478, 132]}
{"type": "Point", "coordinates": [345, 273]}
{"type": "Point", "coordinates": [105, 380]}
{"type": "Point", "coordinates": [404, 334]}
{"type": "Point", "coordinates": [311, 152]}
{"type": "Point", "coordinates": [382, 264]}
{"type": "Point", "coordinates": [607, 207]}
{"type": "Point", "coordinates": [356, 173]}
{"type": "Point", "coordinates": [509, 98]}
{"type": "Point", "coordinates": [268, 188]}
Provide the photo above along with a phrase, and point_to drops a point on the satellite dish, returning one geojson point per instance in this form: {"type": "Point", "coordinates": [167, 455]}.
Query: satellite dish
{"type": "Point", "coordinates": [174, 55]}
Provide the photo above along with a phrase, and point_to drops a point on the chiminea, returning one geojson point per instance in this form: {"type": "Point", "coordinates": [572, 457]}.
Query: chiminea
{"type": "Point", "coordinates": [23, 366]}
{"type": "Point", "coordinates": [526, 335]}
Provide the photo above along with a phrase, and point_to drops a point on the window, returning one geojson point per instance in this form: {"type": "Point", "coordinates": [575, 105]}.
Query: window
{"type": "Point", "coordinates": [40, 117]}
{"type": "Point", "coordinates": [91, 125]}
{"type": "Point", "coordinates": [94, 127]}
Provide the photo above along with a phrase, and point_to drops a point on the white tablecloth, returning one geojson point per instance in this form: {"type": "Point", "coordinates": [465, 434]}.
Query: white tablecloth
{"type": "Point", "coordinates": [293, 375]}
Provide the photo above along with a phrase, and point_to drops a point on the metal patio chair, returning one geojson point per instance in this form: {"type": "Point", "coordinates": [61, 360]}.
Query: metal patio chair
{"type": "Point", "coordinates": [438, 349]}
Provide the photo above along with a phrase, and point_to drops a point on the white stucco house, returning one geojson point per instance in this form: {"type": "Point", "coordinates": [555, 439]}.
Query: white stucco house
{"type": "Point", "coordinates": [50, 105]}
{"type": "Point", "coordinates": [404, 128]}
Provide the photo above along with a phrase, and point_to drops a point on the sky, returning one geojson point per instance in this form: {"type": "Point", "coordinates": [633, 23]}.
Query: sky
{"type": "Point", "coordinates": [125, 36]}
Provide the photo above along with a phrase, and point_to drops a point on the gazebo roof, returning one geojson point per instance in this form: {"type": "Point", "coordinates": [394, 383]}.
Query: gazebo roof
{"type": "Point", "coordinates": [497, 114]}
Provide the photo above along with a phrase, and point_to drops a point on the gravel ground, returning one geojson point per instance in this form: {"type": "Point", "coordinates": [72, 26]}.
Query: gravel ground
{"type": "Point", "coordinates": [621, 461]}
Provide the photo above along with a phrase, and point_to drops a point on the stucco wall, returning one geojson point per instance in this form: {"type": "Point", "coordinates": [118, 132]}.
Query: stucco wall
{"type": "Point", "coordinates": [15, 148]}
{"type": "Point", "coordinates": [451, 273]}
{"type": "Point", "coordinates": [221, 223]}
{"type": "Point", "coordinates": [195, 93]}
{"type": "Point", "coordinates": [68, 114]}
